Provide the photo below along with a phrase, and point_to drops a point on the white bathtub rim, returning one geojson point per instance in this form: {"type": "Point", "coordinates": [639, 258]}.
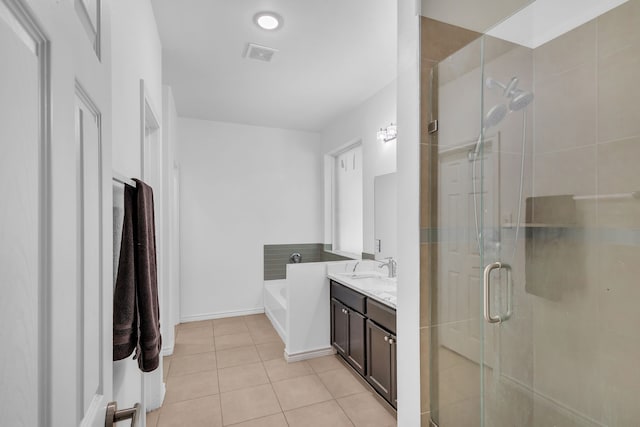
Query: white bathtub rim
{"type": "Point", "coordinates": [275, 290]}
{"type": "Point", "coordinates": [276, 326]}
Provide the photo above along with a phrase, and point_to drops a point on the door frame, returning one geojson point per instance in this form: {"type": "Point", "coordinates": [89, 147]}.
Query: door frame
{"type": "Point", "coordinates": [105, 362]}
{"type": "Point", "coordinates": [153, 387]}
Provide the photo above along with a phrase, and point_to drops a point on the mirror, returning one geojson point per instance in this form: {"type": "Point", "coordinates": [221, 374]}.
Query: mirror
{"type": "Point", "coordinates": [385, 215]}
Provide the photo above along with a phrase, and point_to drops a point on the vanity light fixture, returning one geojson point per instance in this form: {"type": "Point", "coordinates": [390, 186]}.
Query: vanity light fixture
{"type": "Point", "coordinates": [389, 133]}
{"type": "Point", "coordinates": [268, 20]}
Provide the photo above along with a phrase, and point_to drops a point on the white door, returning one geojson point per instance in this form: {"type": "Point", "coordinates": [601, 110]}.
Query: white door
{"type": "Point", "coordinates": [459, 266]}
{"type": "Point", "coordinates": [55, 214]}
{"type": "Point", "coordinates": [22, 234]}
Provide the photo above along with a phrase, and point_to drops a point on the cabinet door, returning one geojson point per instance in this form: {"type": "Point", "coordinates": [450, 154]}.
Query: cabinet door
{"type": "Point", "coordinates": [379, 361]}
{"type": "Point", "coordinates": [339, 327]}
{"type": "Point", "coordinates": [357, 348]}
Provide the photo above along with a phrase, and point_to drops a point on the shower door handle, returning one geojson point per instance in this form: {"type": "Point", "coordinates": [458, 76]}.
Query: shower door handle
{"type": "Point", "coordinates": [487, 293]}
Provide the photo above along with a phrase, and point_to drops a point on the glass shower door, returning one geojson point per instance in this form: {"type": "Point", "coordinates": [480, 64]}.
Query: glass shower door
{"type": "Point", "coordinates": [565, 349]}
{"type": "Point", "coordinates": [481, 342]}
{"type": "Point", "coordinates": [534, 273]}
{"type": "Point", "coordinates": [508, 101]}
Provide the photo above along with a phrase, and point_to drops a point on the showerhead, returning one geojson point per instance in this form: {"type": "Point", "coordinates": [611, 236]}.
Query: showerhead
{"type": "Point", "coordinates": [507, 90]}
{"type": "Point", "coordinates": [495, 116]}
{"type": "Point", "coordinates": [520, 99]}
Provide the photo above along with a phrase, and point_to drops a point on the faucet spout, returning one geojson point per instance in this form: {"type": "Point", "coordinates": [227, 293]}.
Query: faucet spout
{"type": "Point", "coordinates": [392, 267]}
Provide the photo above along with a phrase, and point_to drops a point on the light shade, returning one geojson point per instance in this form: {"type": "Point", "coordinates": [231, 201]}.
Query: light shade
{"type": "Point", "coordinates": [268, 20]}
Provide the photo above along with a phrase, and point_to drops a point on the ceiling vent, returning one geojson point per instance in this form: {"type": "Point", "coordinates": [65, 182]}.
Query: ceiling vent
{"type": "Point", "coordinates": [261, 53]}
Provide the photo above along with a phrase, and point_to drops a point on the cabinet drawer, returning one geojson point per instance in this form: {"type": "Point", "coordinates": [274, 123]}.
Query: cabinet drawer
{"type": "Point", "coordinates": [349, 297]}
{"type": "Point", "coordinates": [381, 314]}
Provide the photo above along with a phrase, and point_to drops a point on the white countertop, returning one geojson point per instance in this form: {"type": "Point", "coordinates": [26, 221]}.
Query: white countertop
{"type": "Point", "coordinates": [370, 283]}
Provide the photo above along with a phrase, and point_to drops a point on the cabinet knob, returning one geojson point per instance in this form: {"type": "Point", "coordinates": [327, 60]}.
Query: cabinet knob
{"type": "Point", "coordinates": [391, 341]}
{"type": "Point", "coordinates": [386, 339]}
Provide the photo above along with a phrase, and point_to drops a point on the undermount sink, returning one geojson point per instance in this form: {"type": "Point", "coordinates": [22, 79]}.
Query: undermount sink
{"type": "Point", "coordinates": [363, 275]}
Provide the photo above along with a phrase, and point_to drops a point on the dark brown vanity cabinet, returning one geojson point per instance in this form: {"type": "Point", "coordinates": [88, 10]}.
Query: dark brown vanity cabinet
{"type": "Point", "coordinates": [381, 361]}
{"type": "Point", "coordinates": [348, 334]}
{"type": "Point", "coordinates": [363, 333]}
{"type": "Point", "coordinates": [339, 327]}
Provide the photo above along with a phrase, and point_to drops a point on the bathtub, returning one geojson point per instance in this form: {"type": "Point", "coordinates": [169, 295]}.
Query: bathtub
{"type": "Point", "coordinates": [276, 304]}
{"type": "Point", "coordinates": [298, 307]}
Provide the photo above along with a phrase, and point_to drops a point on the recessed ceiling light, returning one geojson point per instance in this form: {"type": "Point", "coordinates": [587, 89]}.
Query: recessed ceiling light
{"type": "Point", "coordinates": [268, 20]}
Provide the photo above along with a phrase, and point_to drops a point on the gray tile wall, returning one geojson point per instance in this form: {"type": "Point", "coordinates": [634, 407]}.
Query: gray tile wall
{"type": "Point", "coordinates": [276, 257]}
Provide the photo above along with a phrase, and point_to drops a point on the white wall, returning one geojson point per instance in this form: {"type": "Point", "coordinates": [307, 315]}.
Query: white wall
{"type": "Point", "coordinates": [408, 320]}
{"type": "Point", "coordinates": [136, 54]}
{"type": "Point", "coordinates": [171, 303]}
{"type": "Point", "coordinates": [308, 313]}
{"type": "Point", "coordinates": [241, 187]}
{"type": "Point", "coordinates": [362, 123]}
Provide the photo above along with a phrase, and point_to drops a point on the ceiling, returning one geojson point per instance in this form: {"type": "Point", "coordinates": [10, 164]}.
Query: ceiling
{"type": "Point", "coordinates": [332, 55]}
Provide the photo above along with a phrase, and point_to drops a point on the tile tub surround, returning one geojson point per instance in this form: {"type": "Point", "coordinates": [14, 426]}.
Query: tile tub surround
{"type": "Point", "coordinates": [248, 383]}
{"type": "Point", "coordinates": [276, 257]}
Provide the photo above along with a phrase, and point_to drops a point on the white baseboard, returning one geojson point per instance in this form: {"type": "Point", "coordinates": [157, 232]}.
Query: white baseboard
{"type": "Point", "coordinates": [167, 350]}
{"type": "Point", "coordinates": [220, 315]}
{"type": "Point", "coordinates": [311, 354]}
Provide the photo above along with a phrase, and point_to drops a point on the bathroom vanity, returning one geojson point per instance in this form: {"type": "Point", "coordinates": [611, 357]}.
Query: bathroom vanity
{"type": "Point", "coordinates": [363, 327]}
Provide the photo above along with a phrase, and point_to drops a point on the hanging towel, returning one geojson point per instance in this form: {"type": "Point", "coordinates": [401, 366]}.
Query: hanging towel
{"type": "Point", "coordinates": [125, 311]}
{"type": "Point", "coordinates": [149, 341]}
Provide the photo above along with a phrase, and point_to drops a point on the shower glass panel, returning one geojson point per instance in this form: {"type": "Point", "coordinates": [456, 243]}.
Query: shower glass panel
{"type": "Point", "coordinates": [536, 250]}
{"type": "Point", "coordinates": [457, 328]}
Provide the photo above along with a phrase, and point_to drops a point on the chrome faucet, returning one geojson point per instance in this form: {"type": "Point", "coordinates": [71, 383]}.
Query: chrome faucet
{"type": "Point", "coordinates": [392, 267]}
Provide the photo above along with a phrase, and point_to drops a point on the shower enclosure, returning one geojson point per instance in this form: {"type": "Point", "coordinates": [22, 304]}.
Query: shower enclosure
{"type": "Point", "coordinates": [530, 225]}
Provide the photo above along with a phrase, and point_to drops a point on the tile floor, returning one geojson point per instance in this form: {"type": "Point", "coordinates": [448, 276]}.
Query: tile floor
{"type": "Point", "coordinates": [232, 372]}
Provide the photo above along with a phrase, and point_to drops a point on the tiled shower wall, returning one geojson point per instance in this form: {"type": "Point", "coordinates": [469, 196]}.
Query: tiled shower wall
{"type": "Point", "coordinates": [276, 257]}
{"type": "Point", "coordinates": [579, 348]}
{"type": "Point", "coordinates": [587, 124]}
